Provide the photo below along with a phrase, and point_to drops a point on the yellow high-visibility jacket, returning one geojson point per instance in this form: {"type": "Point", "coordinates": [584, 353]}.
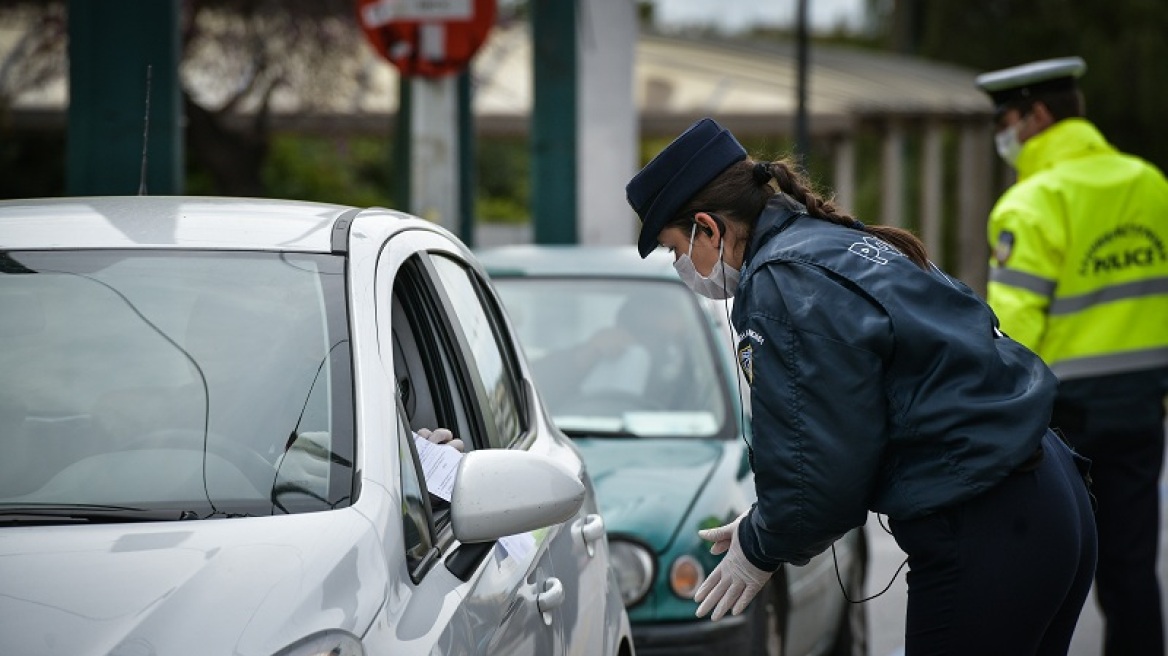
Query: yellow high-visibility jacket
{"type": "Point", "coordinates": [1079, 266]}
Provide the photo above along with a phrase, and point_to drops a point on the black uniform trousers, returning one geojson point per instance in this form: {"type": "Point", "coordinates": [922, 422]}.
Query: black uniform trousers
{"type": "Point", "coordinates": [1125, 475]}
{"type": "Point", "coordinates": [1006, 572]}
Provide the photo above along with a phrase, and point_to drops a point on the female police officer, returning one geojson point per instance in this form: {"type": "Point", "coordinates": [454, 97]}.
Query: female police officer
{"type": "Point", "coordinates": [877, 383]}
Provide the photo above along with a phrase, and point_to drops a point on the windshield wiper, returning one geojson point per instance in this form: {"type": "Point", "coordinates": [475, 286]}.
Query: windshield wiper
{"type": "Point", "coordinates": [52, 513]}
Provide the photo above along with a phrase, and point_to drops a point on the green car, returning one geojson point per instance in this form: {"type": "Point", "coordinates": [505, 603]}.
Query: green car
{"type": "Point", "coordinates": [641, 373]}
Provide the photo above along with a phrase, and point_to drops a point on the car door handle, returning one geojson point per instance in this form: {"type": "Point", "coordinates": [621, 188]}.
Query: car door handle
{"type": "Point", "coordinates": [591, 529]}
{"type": "Point", "coordinates": [550, 599]}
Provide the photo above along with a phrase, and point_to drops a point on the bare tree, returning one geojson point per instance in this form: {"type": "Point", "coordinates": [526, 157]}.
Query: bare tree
{"type": "Point", "coordinates": [34, 57]}
{"type": "Point", "coordinates": [245, 59]}
{"type": "Point", "coordinates": [242, 61]}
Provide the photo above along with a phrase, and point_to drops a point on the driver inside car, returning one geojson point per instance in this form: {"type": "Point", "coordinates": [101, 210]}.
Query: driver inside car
{"type": "Point", "coordinates": [442, 436]}
{"type": "Point", "coordinates": [637, 356]}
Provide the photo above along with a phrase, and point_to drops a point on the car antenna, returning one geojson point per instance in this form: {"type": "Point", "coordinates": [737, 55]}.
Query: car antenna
{"type": "Point", "coordinates": [145, 136]}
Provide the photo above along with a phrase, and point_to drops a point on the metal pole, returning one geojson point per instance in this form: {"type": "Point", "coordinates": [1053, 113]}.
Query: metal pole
{"type": "Point", "coordinates": [402, 147]}
{"type": "Point", "coordinates": [553, 121]}
{"type": "Point", "coordinates": [125, 102]}
{"type": "Point", "coordinates": [802, 140]}
{"type": "Point", "coordinates": [434, 151]}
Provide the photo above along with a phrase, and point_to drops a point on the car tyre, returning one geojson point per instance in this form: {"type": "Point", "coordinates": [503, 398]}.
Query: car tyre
{"type": "Point", "coordinates": [768, 622]}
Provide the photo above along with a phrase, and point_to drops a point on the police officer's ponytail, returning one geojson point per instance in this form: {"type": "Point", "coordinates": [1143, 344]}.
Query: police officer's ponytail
{"type": "Point", "coordinates": [742, 191]}
{"type": "Point", "coordinates": [795, 185]}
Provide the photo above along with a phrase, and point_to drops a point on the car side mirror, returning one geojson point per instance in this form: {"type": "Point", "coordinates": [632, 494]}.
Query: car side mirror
{"type": "Point", "coordinates": [501, 492]}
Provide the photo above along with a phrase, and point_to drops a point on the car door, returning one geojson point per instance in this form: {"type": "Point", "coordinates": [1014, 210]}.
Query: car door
{"type": "Point", "coordinates": [452, 371]}
{"type": "Point", "coordinates": [579, 552]}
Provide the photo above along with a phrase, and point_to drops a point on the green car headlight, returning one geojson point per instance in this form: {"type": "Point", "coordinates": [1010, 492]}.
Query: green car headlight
{"type": "Point", "coordinates": [634, 566]}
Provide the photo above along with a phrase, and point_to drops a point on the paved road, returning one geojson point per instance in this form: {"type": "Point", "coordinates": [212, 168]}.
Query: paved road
{"type": "Point", "coordinates": [886, 613]}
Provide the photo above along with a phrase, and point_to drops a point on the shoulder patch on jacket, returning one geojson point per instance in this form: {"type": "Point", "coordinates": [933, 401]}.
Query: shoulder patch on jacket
{"type": "Point", "coordinates": [1004, 247]}
{"type": "Point", "coordinates": [746, 360]}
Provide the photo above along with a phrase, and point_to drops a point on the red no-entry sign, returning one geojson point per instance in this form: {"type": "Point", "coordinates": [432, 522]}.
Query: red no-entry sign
{"type": "Point", "coordinates": [427, 37]}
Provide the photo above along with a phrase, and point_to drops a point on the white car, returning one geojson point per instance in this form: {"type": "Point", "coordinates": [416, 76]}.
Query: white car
{"type": "Point", "coordinates": [207, 442]}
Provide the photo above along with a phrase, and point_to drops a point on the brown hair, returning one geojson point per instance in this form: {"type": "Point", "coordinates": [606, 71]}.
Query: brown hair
{"type": "Point", "coordinates": [1061, 103]}
{"type": "Point", "coordinates": [740, 193]}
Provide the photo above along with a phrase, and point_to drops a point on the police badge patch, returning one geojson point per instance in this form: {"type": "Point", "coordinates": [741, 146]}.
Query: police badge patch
{"type": "Point", "coordinates": [1004, 247]}
{"type": "Point", "coordinates": [746, 361]}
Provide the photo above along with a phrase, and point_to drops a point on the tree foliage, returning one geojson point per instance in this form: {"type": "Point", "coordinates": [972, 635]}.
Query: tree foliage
{"type": "Point", "coordinates": [241, 60]}
{"type": "Point", "coordinates": [32, 59]}
{"type": "Point", "coordinates": [37, 55]}
{"type": "Point", "coordinates": [244, 57]}
{"type": "Point", "coordinates": [1123, 42]}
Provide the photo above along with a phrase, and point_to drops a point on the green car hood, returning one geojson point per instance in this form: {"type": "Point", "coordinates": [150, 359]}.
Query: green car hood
{"type": "Point", "coordinates": [645, 487]}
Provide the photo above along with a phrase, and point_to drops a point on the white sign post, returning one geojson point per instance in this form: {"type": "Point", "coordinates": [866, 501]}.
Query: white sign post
{"type": "Point", "coordinates": [431, 42]}
{"type": "Point", "coordinates": [434, 170]}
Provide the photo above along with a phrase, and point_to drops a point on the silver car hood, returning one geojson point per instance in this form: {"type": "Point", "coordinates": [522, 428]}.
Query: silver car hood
{"type": "Point", "coordinates": [225, 586]}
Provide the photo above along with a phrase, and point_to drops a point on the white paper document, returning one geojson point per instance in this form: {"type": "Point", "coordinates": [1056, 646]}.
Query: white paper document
{"type": "Point", "coordinates": [439, 465]}
{"type": "Point", "coordinates": [518, 546]}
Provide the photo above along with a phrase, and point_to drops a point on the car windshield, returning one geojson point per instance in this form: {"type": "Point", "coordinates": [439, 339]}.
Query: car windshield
{"type": "Point", "coordinates": [620, 357]}
{"type": "Point", "coordinates": [190, 384]}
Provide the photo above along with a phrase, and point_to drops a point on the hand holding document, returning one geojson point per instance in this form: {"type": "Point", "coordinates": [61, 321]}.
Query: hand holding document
{"type": "Point", "coordinates": [439, 465]}
{"type": "Point", "coordinates": [441, 436]}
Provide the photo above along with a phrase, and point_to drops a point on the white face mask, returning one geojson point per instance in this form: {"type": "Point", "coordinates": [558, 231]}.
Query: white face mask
{"type": "Point", "coordinates": [1007, 143]}
{"type": "Point", "coordinates": [722, 281]}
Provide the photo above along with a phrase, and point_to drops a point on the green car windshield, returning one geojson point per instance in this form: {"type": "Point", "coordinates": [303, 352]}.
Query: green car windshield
{"type": "Point", "coordinates": [621, 357]}
{"type": "Point", "coordinates": [184, 384]}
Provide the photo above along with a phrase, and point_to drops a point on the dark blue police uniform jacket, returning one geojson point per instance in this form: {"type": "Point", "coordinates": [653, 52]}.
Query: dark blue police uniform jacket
{"type": "Point", "coordinates": [875, 385]}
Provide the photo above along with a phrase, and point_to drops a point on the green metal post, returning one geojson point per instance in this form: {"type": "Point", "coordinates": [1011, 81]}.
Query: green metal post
{"type": "Point", "coordinates": [125, 104]}
{"type": "Point", "coordinates": [553, 121]}
{"type": "Point", "coordinates": [403, 144]}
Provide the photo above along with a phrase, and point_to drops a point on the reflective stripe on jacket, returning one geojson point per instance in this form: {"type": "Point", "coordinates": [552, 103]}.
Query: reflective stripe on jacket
{"type": "Point", "coordinates": [1079, 271]}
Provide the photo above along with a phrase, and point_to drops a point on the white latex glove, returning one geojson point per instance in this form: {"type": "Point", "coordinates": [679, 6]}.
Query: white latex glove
{"type": "Point", "coordinates": [734, 582]}
{"type": "Point", "coordinates": [441, 436]}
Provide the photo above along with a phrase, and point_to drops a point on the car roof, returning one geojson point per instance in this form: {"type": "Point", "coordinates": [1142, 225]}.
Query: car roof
{"type": "Point", "coordinates": [575, 261]}
{"type": "Point", "coordinates": [590, 261]}
{"type": "Point", "coordinates": [170, 222]}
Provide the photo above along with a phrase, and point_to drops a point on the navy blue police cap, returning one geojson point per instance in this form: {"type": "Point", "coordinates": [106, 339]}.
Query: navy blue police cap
{"type": "Point", "coordinates": [1016, 85]}
{"type": "Point", "coordinates": [671, 178]}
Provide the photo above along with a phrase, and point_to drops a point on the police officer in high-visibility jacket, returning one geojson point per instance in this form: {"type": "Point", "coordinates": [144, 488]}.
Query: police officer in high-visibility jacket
{"type": "Point", "coordinates": [1079, 274]}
